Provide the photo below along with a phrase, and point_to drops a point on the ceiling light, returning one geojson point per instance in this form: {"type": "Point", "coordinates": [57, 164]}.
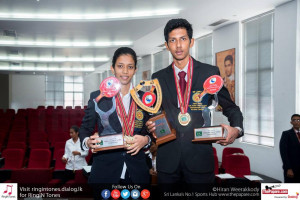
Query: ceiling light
{"type": "Point", "coordinates": [53, 69]}
{"type": "Point", "coordinates": [62, 44]}
{"type": "Point", "coordinates": [87, 17]}
{"type": "Point", "coordinates": [54, 59]}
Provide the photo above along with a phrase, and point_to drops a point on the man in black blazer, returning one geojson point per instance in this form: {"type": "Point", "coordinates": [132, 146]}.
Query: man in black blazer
{"type": "Point", "coordinates": [181, 160]}
{"type": "Point", "coordinates": [290, 151]}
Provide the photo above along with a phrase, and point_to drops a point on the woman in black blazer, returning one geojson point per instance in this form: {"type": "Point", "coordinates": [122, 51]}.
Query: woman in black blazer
{"type": "Point", "coordinates": [120, 165]}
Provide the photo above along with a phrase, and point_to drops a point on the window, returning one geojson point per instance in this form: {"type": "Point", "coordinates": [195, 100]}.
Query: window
{"type": "Point", "coordinates": [258, 82]}
{"type": "Point", "coordinates": [161, 60]}
{"type": "Point", "coordinates": [64, 90]}
{"type": "Point", "coordinates": [203, 48]}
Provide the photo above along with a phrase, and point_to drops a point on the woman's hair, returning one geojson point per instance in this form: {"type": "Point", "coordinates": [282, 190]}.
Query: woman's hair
{"type": "Point", "coordinates": [124, 51]}
{"type": "Point", "coordinates": [75, 128]}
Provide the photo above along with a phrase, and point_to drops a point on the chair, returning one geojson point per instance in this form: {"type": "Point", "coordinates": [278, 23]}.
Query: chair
{"type": "Point", "coordinates": [38, 137]}
{"type": "Point", "coordinates": [215, 150]}
{"type": "Point", "coordinates": [39, 145]}
{"type": "Point", "coordinates": [59, 165]}
{"type": "Point", "coordinates": [33, 176]}
{"type": "Point", "coordinates": [77, 107]}
{"type": "Point", "coordinates": [216, 164]}
{"type": "Point", "coordinates": [50, 107]}
{"type": "Point", "coordinates": [17, 137]}
{"type": "Point", "coordinates": [13, 158]}
{"type": "Point", "coordinates": [69, 108]}
{"type": "Point", "coordinates": [59, 107]}
{"type": "Point", "coordinates": [237, 165]}
{"type": "Point", "coordinates": [39, 158]}
{"type": "Point", "coordinates": [229, 151]}
{"type": "Point", "coordinates": [16, 145]}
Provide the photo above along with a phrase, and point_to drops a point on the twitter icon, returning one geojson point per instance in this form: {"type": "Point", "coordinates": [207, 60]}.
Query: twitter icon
{"type": "Point", "coordinates": [125, 194]}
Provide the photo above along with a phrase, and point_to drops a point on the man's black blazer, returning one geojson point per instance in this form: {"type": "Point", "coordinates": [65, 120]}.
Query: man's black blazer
{"type": "Point", "coordinates": [198, 158]}
{"type": "Point", "coordinates": [290, 150]}
{"type": "Point", "coordinates": [107, 165]}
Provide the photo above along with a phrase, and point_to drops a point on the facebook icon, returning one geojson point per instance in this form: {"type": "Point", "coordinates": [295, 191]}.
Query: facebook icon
{"type": "Point", "coordinates": [105, 194]}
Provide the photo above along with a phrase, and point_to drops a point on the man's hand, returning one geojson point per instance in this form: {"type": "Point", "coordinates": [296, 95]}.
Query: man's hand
{"type": "Point", "coordinates": [76, 153]}
{"type": "Point", "coordinates": [92, 142]}
{"type": "Point", "coordinates": [152, 172]}
{"type": "Point", "coordinates": [232, 134]}
{"type": "Point", "coordinates": [136, 144]}
{"type": "Point", "coordinates": [290, 173]}
{"type": "Point", "coordinates": [64, 160]}
{"type": "Point", "coordinates": [151, 127]}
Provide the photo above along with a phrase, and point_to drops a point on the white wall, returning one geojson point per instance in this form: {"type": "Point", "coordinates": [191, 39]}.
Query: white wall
{"type": "Point", "coordinates": [266, 160]}
{"type": "Point", "coordinates": [91, 83]}
{"type": "Point", "coordinates": [27, 91]}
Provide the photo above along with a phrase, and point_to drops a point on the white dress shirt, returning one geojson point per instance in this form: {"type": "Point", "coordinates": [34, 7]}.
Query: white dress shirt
{"type": "Point", "coordinates": [74, 162]}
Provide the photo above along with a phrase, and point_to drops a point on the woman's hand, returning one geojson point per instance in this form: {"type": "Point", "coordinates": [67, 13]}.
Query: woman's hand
{"type": "Point", "coordinates": [64, 160]}
{"type": "Point", "coordinates": [135, 145]}
{"type": "Point", "coordinates": [76, 153]}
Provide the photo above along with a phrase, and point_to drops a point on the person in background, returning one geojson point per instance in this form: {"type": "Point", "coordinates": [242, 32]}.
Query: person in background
{"type": "Point", "coordinates": [290, 151]}
{"type": "Point", "coordinates": [74, 156]}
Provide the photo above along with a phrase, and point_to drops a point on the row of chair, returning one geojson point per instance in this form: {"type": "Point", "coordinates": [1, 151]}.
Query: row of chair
{"type": "Point", "coordinates": [234, 162]}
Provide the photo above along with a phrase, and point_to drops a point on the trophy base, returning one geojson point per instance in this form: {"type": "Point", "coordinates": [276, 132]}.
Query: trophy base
{"type": "Point", "coordinates": [163, 131]}
{"type": "Point", "coordinates": [110, 142]}
{"type": "Point", "coordinates": [209, 134]}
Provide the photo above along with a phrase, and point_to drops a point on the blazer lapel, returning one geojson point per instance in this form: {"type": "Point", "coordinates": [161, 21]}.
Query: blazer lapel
{"type": "Point", "coordinates": [170, 83]}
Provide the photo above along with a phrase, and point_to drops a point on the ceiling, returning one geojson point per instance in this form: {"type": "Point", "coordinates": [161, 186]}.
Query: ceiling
{"type": "Point", "coordinates": [76, 36]}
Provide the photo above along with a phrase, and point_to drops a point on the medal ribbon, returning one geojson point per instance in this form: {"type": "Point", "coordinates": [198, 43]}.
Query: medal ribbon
{"type": "Point", "coordinates": [184, 103]}
{"type": "Point", "coordinates": [127, 120]}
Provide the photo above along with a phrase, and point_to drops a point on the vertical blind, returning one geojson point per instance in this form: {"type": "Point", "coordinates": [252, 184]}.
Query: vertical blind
{"type": "Point", "coordinates": [258, 80]}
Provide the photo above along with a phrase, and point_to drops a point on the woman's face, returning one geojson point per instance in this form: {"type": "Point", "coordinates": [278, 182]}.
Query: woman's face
{"type": "Point", "coordinates": [124, 69]}
{"type": "Point", "coordinates": [73, 134]}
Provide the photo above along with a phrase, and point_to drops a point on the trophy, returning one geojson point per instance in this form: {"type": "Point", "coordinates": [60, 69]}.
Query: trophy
{"type": "Point", "coordinates": [109, 139]}
{"type": "Point", "coordinates": [151, 103]}
{"type": "Point", "coordinates": [208, 133]}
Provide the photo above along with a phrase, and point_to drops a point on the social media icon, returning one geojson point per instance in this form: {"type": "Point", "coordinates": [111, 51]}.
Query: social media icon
{"type": "Point", "coordinates": [145, 194]}
{"type": "Point", "coordinates": [125, 194]}
{"type": "Point", "coordinates": [115, 194]}
{"type": "Point", "coordinates": [135, 194]}
{"type": "Point", "coordinates": [105, 194]}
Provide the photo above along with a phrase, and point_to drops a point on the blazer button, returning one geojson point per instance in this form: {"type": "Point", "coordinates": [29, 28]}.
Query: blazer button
{"type": "Point", "coordinates": [123, 153]}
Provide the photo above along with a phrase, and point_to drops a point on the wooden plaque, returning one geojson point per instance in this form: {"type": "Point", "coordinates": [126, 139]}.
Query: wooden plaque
{"type": "Point", "coordinates": [163, 131]}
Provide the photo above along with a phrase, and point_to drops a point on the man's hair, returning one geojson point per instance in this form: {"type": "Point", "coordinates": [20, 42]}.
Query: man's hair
{"type": "Point", "coordinates": [229, 57]}
{"type": "Point", "coordinates": [124, 51]}
{"type": "Point", "coordinates": [295, 115]}
{"type": "Point", "coordinates": [178, 23]}
{"type": "Point", "coordinates": [75, 128]}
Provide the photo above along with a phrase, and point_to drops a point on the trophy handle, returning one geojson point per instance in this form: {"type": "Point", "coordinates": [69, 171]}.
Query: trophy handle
{"type": "Point", "coordinates": [142, 83]}
{"type": "Point", "coordinates": [206, 113]}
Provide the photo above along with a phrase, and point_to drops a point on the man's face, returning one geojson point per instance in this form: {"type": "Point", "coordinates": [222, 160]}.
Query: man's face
{"type": "Point", "coordinates": [228, 67]}
{"type": "Point", "coordinates": [296, 122]}
{"type": "Point", "coordinates": [124, 69]}
{"type": "Point", "coordinates": [179, 43]}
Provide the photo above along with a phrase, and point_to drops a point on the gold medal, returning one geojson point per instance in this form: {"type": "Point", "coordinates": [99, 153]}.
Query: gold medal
{"type": "Point", "coordinates": [184, 118]}
{"type": "Point", "coordinates": [128, 138]}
